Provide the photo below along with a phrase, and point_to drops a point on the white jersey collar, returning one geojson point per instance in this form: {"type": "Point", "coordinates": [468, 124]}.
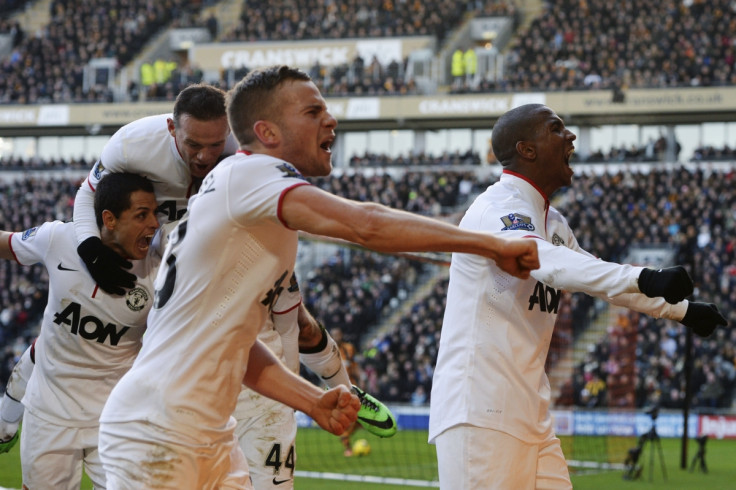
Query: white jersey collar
{"type": "Point", "coordinates": [525, 185]}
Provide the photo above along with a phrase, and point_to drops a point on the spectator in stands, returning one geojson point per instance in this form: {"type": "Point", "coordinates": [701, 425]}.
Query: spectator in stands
{"type": "Point", "coordinates": [457, 69]}
{"type": "Point", "coordinates": [711, 391]}
{"type": "Point", "coordinates": [470, 63]}
{"type": "Point", "coordinates": [594, 392]}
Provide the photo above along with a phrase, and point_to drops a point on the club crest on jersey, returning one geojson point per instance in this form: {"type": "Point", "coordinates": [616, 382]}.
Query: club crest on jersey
{"type": "Point", "coordinates": [98, 169]}
{"type": "Point", "coordinates": [557, 240]}
{"type": "Point", "coordinates": [29, 233]}
{"type": "Point", "coordinates": [136, 298]}
{"type": "Point", "coordinates": [290, 171]}
{"type": "Point", "coordinates": [516, 221]}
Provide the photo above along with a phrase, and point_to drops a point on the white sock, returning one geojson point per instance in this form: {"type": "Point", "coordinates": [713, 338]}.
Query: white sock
{"type": "Point", "coordinates": [11, 410]}
{"type": "Point", "coordinates": [327, 363]}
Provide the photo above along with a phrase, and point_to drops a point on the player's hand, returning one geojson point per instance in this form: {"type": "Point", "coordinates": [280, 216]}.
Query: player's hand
{"type": "Point", "coordinates": [703, 318]}
{"type": "Point", "coordinates": [336, 410]}
{"type": "Point", "coordinates": [106, 266]}
{"type": "Point", "coordinates": [518, 257]}
{"type": "Point", "coordinates": [672, 283]}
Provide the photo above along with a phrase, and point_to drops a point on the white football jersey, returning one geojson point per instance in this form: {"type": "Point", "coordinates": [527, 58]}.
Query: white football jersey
{"type": "Point", "coordinates": [225, 266]}
{"type": "Point", "coordinates": [144, 147]}
{"type": "Point", "coordinates": [88, 338]}
{"type": "Point", "coordinates": [497, 328]}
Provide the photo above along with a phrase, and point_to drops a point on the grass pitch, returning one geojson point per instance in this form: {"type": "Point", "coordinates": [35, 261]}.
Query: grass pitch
{"type": "Point", "coordinates": [408, 456]}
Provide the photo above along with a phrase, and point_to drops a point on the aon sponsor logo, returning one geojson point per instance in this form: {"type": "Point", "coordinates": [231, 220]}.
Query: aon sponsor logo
{"type": "Point", "coordinates": [89, 327]}
{"type": "Point", "coordinates": [545, 297]}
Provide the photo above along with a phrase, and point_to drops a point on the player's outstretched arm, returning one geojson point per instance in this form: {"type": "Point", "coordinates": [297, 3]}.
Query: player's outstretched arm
{"type": "Point", "coordinates": [672, 283]}
{"type": "Point", "coordinates": [385, 229]}
{"type": "Point", "coordinates": [85, 223]}
{"type": "Point", "coordinates": [703, 318]}
{"type": "Point", "coordinates": [334, 410]}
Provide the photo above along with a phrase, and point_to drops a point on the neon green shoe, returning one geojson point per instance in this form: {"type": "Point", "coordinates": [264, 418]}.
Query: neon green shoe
{"type": "Point", "coordinates": [374, 416]}
{"type": "Point", "coordinates": [8, 445]}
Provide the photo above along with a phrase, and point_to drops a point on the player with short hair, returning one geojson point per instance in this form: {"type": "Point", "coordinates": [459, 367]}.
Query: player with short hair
{"type": "Point", "coordinates": [489, 415]}
{"type": "Point", "coordinates": [168, 421]}
{"type": "Point", "coordinates": [175, 151]}
{"type": "Point", "coordinates": [88, 338]}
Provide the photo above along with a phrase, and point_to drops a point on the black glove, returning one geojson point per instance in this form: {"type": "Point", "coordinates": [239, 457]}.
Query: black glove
{"type": "Point", "coordinates": [673, 283]}
{"type": "Point", "coordinates": [703, 318]}
{"type": "Point", "coordinates": [106, 266]}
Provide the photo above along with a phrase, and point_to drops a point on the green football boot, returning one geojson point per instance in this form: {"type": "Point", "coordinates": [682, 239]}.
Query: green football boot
{"type": "Point", "coordinates": [374, 416]}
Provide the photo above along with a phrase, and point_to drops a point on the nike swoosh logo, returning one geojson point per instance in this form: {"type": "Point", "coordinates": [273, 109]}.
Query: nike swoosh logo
{"type": "Point", "coordinates": [279, 482]}
{"type": "Point", "coordinates": [381, 424]}
{"type": "Point", "coordinates": [62, 268]}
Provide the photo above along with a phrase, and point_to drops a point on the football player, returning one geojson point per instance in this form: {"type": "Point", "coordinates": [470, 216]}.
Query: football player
{"type": "Point", "coordinates": [175, 151]}
{"type": "Point", "coordinates": [88, 337]}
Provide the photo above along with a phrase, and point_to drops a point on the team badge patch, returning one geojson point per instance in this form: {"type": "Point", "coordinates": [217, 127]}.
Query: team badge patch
{"type": "Point", "coordinates": [29, 233]}
{"type": "Point", "coordinates": [516, 221]}
{"type": "Point", "coordinates": [556, 240]}
{"type": "Point", "coordinates": [290, 171]}
{"type": "Point", "coordinates": [136, 299]}
{"type": "Point", "coordinates": [97, 170]}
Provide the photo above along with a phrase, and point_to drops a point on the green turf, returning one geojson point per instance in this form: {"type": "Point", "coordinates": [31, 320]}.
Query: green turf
{"type": "Point", "coordinates": [10, 475]}
{"type": "Point", "coordinates": [720, 458]}
{"type": "Point", "coordinates": [406, 455]}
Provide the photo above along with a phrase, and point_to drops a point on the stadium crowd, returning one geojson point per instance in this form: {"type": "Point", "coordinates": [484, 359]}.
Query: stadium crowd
{"type": "Point", "coordinates": [652, 151]}
{"type": "Point", "coordinates": [639, 362]}
{"type": "Point", "coordinates": [710, 153]}
{"type": "Point", "coordinates": [432, 194]}
{"type": "Point", "coordinates": [446, 159]}
{"type": "Point", "coordinates": [600, 44]}
{"type": "Point", "coordinates": [303, 19]}
{"type": "Point", "coordinates": [49, 66]}
{"type": "Point", "coordinates": [694, 212]}
{"type": "Point", "coordinates": [17, 163]}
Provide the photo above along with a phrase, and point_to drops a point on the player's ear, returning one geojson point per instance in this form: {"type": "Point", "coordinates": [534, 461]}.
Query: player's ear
{"type": "Point", "coordinates": [108, 219]}
{"type": "Point", "coordinates": [526, 149]}
{"type": "Point", "coordinates": [267, 132]}
{"type": "Point", "coordinates": [170, 125]}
